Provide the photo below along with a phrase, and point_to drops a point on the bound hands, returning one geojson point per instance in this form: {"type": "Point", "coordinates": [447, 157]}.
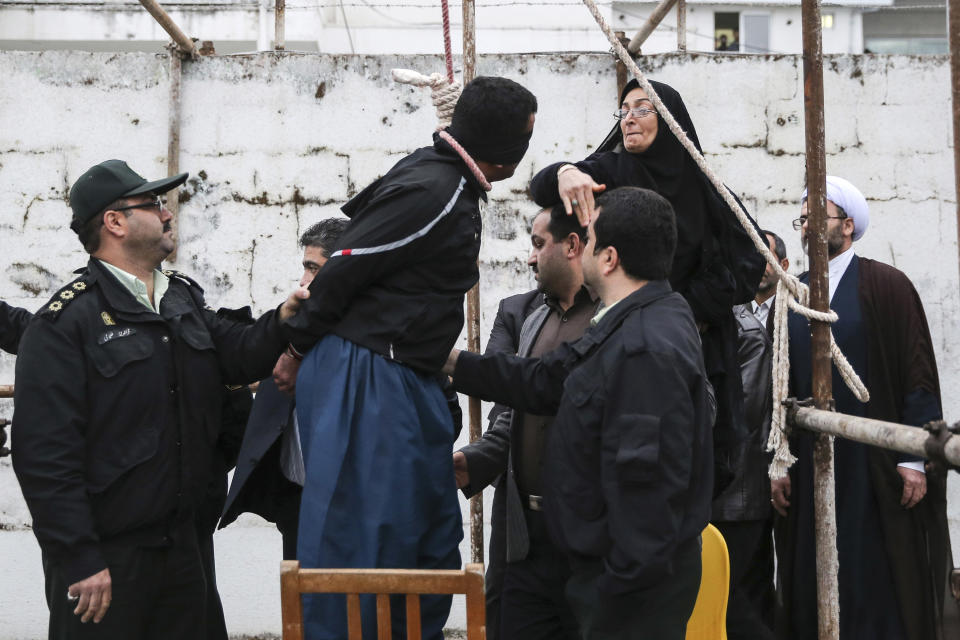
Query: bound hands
{"type": "Point", "coordinates": [93, 596]}
{"type": "Point", "coordinates": [576, 192]}
{"type": "Point", "coordinates": [292, 304]}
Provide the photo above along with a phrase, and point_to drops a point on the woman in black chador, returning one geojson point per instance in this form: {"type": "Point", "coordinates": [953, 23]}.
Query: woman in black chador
{"type": "Point", "coordinates": [715, 265]}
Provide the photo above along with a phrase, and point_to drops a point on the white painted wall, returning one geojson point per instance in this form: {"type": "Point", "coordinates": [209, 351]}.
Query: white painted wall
{"type": "Point", "coordinates": [268, 157]}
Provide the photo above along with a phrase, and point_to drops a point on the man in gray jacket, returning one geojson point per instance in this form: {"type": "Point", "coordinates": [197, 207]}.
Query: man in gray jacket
{"type": "Point", "coordinates": [743, 512]}
{"type": "Point", "coordinates": [532, 603]}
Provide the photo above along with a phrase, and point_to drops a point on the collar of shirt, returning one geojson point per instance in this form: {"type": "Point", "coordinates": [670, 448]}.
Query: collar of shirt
{"type": "Point", "coordinates": [595, 320]}
{"type": "Point", "coordinates": [583, 297]}
{"type": "Point", "coordinates": [838, 266]}
{"type": "Point", "coordinates": [768, 303]}
{"type": "Point", "coordinates": [138, 289]}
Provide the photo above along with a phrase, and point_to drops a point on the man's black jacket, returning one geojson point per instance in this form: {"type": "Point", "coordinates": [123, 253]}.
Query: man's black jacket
{"type": "Point", "coordinates": [396, 281]}
{"type": "Point", "coordinates": [117, 410]}
{"type": "Point", "coordinates": [13, 322]}
{"type": "Point", "coordinates": [258, 484]}
{"type": "Point", "coordinates": [748, 496]}
{"type": "Point", "coordinates": [628, 468]}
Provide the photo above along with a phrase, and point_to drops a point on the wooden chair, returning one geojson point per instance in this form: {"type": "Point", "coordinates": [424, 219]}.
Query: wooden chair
{"type": "Point", "coordinates": [295, 581]}
{"type": "Point", "coordinates": [709, 618]}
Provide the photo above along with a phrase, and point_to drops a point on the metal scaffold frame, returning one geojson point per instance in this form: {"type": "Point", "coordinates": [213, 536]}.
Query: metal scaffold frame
{"type": "Point", "coordinates": [937, 443]}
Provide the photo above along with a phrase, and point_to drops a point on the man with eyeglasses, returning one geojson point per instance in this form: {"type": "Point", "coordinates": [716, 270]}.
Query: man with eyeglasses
{"type": "Point", "coordinates": [117, 410]}
{"type": "Point", "coordinates": [892, 538]}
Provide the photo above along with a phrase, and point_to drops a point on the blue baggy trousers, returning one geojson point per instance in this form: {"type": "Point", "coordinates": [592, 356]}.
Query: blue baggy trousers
{"type": "Point", "coordinates": [377, 440]}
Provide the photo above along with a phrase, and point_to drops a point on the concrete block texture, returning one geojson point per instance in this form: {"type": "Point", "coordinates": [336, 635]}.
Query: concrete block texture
{"type": "Point", "coordinates": [274, 142]}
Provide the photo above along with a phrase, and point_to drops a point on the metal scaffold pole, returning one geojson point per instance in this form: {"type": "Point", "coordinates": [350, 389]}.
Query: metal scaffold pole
{"type": "Point", "coordinates": [473, 296]}
{"type": "Point", "coordinates": [828, 607]}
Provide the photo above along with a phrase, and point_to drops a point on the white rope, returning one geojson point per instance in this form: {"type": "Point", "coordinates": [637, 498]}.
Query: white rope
{"type": "Point", "coordinates": [794, 292]}
{"type": "Point", "coordinates": [443, 93]}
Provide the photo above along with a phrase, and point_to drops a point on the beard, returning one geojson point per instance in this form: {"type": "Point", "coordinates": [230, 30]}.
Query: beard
{"type": "Point", "coordinates": [834, 242]}
{"type": "Point", "coordinates": [767, 283]}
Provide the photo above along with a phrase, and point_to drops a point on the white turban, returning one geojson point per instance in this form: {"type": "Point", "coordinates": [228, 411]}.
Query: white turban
{"type": "Point", "coordinates": [846, 196]}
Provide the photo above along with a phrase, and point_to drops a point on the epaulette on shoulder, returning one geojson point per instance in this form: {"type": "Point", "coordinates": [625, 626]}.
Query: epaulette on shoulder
{"type": "Point", "coordinates": [190, 282]}
{"type": "Point", "coordinates": [65, 296]}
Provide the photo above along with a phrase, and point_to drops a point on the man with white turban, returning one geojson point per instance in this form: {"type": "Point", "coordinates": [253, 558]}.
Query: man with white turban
{"type": "Point", "coordinates": [892, 537]}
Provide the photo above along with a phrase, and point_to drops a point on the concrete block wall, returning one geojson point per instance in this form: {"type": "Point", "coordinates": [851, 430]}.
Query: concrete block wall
{"type": "Point", "coordinates": [275, 142]}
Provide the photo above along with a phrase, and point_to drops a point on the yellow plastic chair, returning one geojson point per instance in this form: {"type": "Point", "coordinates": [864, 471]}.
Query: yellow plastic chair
{"type": "Point", "coordinates": [709, 618]}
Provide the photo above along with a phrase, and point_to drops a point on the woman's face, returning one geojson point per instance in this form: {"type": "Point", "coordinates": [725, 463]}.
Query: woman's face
{"type": "Point", "coordinates": [638, 132]}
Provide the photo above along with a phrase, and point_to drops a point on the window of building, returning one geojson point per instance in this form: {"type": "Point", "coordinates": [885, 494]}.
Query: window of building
{"type": "Point", "coordinates": [726, 31]}
{"type": "Point", "coordinates": [756, 33]}
{"type": "Point", "coordinates": [826, 21]}
{"type": "Point", "coordinates": [906, 45]}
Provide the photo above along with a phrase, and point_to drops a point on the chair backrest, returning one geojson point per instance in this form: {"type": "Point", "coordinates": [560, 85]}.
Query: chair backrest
{"type": "Point", "coordinates": [295, 581]}
{"type": "Point", "coordinates": [709, 618]}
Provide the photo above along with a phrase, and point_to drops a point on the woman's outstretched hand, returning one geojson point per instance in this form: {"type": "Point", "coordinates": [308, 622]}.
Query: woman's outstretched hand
{"type": "Point", "coordinates": [576, 192]}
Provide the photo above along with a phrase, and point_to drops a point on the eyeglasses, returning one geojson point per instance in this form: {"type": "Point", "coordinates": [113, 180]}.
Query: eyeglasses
{"type": "Point", "coordinates": [637, 112]}
{"type": "Point", "coordinates": [802, 220]}
{"type": "Point", "coordinates": [158, 204]}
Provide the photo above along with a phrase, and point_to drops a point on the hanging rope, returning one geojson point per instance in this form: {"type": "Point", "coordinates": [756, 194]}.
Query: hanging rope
{"type": "Point", "coordinates": [794, 292]}
{"type": "Point", "coordinates": [444, 92]}
{"type": "Point", "coordinates": [474, 169]}
{"type": "Point", "coordinates": [447, 49]}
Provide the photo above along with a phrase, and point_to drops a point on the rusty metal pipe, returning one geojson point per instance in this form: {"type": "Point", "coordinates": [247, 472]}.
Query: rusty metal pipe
{"type": "Point", "coordinates": [681, 25]}
{"type": "Point", "coordinates": [953, 32]}
{"type": "Point", "coordinates": [184, 43]}
{"type": "Point", "coordinates": [173, 147]}
{"type": "Point", "coordinates": [473, 296]}
{"type": "Point", "coordinates": [6, 390]}
{"type": "Point", "coordinates": [279, 15]}
{"type": "Point", "coordinates": [878, 433]}
{"type": "Point", "coordinates": [659, 12]}
{"type": "Point", "coordinates": [828, 597]}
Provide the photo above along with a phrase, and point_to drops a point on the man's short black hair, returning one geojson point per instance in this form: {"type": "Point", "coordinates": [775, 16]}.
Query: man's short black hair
{"type": "Point", "coordinates": [492, 109]}
{"type": "Point", "coordinates": [641, 226]}
{"type": "Point", "coordinates": [562, 225]}
{"type": "Point", "coordinates": [779, 247]}
{"type": "Point", "coordinates": [89, 232]}
{"type": "Point", "coordinates": [324, 235]}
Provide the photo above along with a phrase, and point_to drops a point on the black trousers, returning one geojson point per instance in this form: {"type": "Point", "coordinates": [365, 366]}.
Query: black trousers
{"type": "Point", "coordinates": [288, 521]}
{"type": "Point", "coordinates": [751, 604]}
{"type": "Point", "coordinates": [660, 612]}
{"type": "Point", "coordinates": [533, 605]}
{"type": "Point", "coordinates": [216, 623]}
{"type": "Point", "coordinates": [158, 591]}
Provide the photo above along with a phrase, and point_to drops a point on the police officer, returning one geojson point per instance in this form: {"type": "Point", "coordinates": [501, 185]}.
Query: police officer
{"type": "Point", "coordinates": [117, 408]}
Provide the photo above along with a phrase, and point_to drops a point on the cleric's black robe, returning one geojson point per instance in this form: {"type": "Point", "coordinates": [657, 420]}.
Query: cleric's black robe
{"type": "Point", "coordinates": [893, 561]}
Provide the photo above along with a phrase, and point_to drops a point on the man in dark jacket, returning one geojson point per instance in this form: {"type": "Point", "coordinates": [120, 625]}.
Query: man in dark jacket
{"type": "Point", "coordinates": [504, 338]}
{"type": "Point", "coordinates": [628, 466]}
{"type": "Point", "coordinates": [382, 316]}
{"type": "Point", "coordinates": [533, 605]}
{"type": "Point", "coordinates": [117, 409]}
{"type": "Point", "coordinates": [742, 512]}
{"type": "Point", "coordinates": [269, 475]}
{"type": "Point", "coordinates": [236, 403]}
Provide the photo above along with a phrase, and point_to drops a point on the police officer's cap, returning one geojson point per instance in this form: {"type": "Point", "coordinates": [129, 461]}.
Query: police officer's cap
{"type": "Point", "coordinates": [108, 181]}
